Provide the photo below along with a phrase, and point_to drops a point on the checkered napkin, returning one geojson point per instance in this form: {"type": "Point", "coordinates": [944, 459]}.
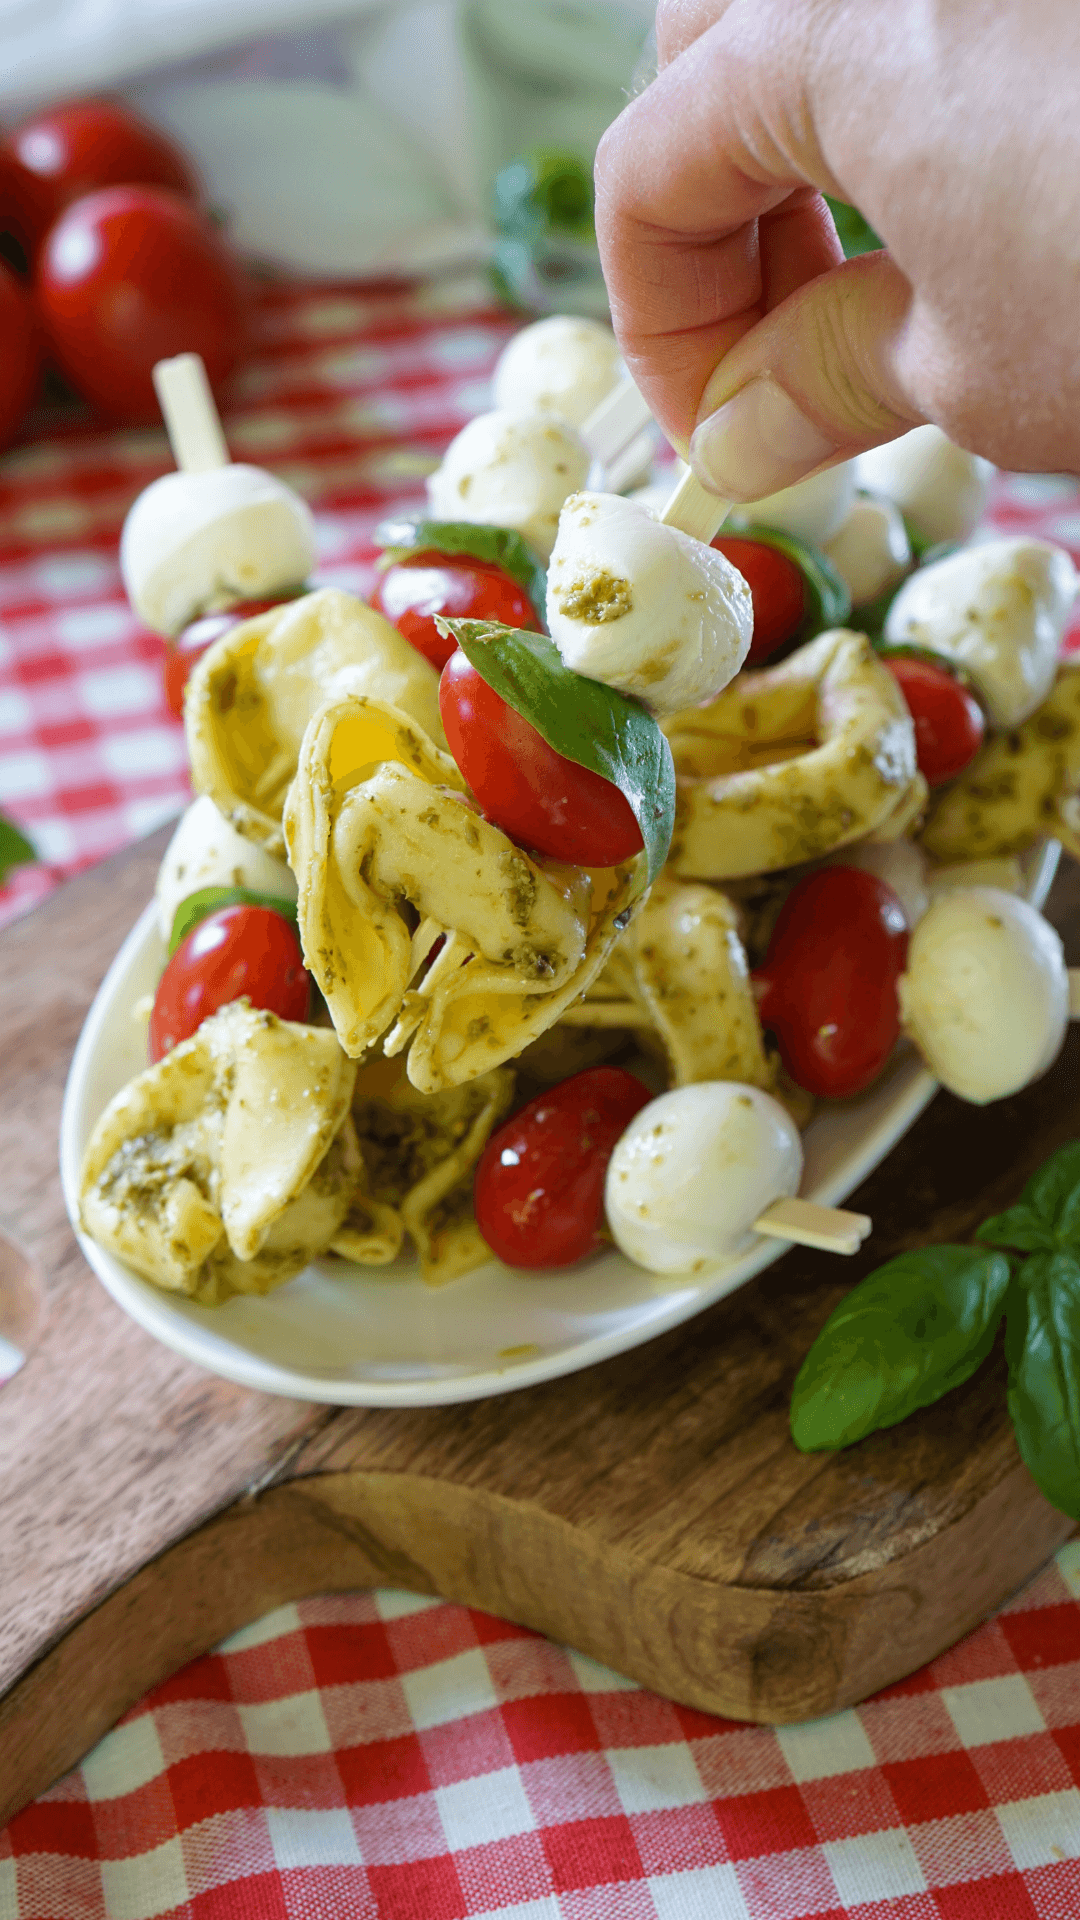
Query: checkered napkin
{"type": "Point", "coordinates": [385, 1757]}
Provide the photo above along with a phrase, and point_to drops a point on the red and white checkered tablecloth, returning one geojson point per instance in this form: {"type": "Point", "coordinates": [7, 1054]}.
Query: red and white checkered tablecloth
{"type": "Point", "coordinates": [381, 1756]}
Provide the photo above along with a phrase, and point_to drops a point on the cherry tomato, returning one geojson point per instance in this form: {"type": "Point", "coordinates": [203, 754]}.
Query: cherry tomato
{"type": "Point", "coordinates": [184, 653]}
{"type": "Point", "coordinates": [827, 988]}
{"type": "Point", "coordinates": [20, 353]}
{"type": "Point", "coordinates": [539, 1190]}
{"type": "Point", "coordinates": [75, 149]}
{"type": "Point", "coordinates": [412, 591]}
{"type": "Point", "coordinates": [235, 951]}
{"type": "Point", "coordinates": [949, 723]}
{"type": "Point", "coordinates": [534, 794]}
{"type": "Point", "coordinates": [25, 211]}
{"type": "Point", "coordinates": [777, 590]}
{"type": "Point", "coordinates": [129, 276]}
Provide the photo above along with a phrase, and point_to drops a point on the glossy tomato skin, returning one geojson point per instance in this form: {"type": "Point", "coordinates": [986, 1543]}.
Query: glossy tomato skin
{"type": "Point", "coordinates": [236, 951]}
{"type": "Point", "coordinates": [20, 354]}
{"type": "Point", "coordinates": [777, 590]}
{"type": "Point", "coordinates": [129, 276]}
{"type": "Point", "coordinates": [539, 1190]}
{"type": "Point", "coordinates": [537, 796]}
{"type": "Point", "coordinates": [949, 722]}
{"type": "Point", "coordinates": [25, 211]}
{"type": "Point", "coordinates": [184, 653]}
{"type": "Point", "coordinates": [827, 988]}
{"type": "Point", "coordinates": [75, 149]}
{"type": "Point", "coordinates": [412, 591]}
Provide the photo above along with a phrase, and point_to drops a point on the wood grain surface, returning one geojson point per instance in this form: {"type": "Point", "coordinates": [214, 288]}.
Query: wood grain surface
{"type": "Point", "coordinates": [652, 1511]}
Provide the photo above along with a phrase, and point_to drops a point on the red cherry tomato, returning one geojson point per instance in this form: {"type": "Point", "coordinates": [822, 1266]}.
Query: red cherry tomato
{"type": "Point", "coordinates": [20, 353]}
{"type": "Point", "coordinates": [414, 590]}
{"type": "Point", "coordinates": [75, 149]}
{"type": "Point", "coordinates": [184, 653]}
{"type": "Point", "coordinates": [827, 988]}
{"type": "Point", "coordinates": [949, 723]}
{"type": "Point", "coordinates": [235, 951]}
{"type": "Point", "coordinates": [539, 1191]}
{"type": "Point", "coordinates": [534, 794]}
{"type": "Point", "coordinates": [777, 590]}
{"type": "Point", "coordinates": [25, 211]}
{"type": "Point", "coordinates": [132, 275]}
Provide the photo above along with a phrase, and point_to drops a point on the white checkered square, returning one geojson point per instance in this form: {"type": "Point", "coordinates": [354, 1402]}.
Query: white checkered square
{"type": "Point", "coordinates": [145, 1885]}
{"type": "Point", "coordinates": [448, 1689]}
{"type": "Point", "coordinates": [271, 1627]}
{"type": "Point", "coordinates": [295, 1725]}
{"type": "Point", "coordinates": [1000, 1709]}
{"type": "Point", "coordinates": [1044, 1831]}
{"type": "Point", "coordinates": [109, 691]}
{"type": "Point", "coordinates": [490, 1807]}
{"type": "Point", "coordinates": [652, 1779]}
{"type": "Point", "coordinates": [874, 1866]}
{"type": "Point", "coordinates": [392, 1603]}
{"type": "Point", "coordinates": [1068, 1565]}
{"type": "Point", "coordinates": [593, 1678]}
{"type": "Point", "coordinates": [126, 1759]}
{"type": "Point", "coordinates": [312, 1837]}
{"type": "Point", "coordinates": [819, 1748]}
{"type": "Point", "coordinates": [703, 1893]}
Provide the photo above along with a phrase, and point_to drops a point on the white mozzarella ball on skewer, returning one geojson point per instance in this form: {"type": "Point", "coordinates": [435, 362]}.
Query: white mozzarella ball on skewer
{"type": "Point", "coordinates": [196, 542]}
{"type": "Point", "coordinates": [986, 993]}
{"type": "Point", "coordinates": [205, 851]}
{"type": "Point", "coordinates": [564, 365]}
{"type": "Point", "coordinates": [998, 610]}
{"type": "Point", "coordinates": [511, 469]}
{"type": "Point", "coordinates": [870, 549]}
{"type": "Point", "coordinates": [814, 509]}
{"type": "Point", "coordinates": [942, 490]}
{"type": "Point", "coordinates": [644, 607]}
{"type": "Point", "coordinates": [695, 1169]}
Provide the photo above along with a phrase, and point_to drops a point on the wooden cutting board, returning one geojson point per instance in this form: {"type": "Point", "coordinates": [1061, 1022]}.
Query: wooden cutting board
{"type": "Point", "coordinates": [652, 1512]}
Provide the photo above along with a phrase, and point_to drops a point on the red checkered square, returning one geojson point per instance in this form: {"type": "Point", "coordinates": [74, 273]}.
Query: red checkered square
{"type": "Point", "coordinates": [749, 1761]}
{"type": "Point", "coordinates": [422, 1890]}
{"type": "Point", "coordinates": [55, 1826]}
{"type": "Point", "coordinates": [383, 1770]}
{"type": "Point", "coordinates": [575, 1786]}
{"type": "Point", "coordinates": [1003, 1898]}
{"type": "Point", "coordinates": [773, 1822]}
{"type": "Point", "coordinates": [489, 1631]}
{"type": "Point", "coordinates": [620, 1725]}
{"type": "Point", "coordinates": [565, 1726]}
{"type": "Point", "coordinates": [1044, 1637]}
{"type": "Point", "coordinates": [522, 1668]}
{"type": "Point", "coordinates": [211, 1783]}
{"type": "Point", "coordinates": [984, 1655]}
{"type": "Point", "coordinates": [935, 1786]}
{"type": "Point", "coordinates": [504, 1871]}
{"type": "Point", "coordinates": [590, 1853]}
{"type": "Point", "coordinates": [437, 1633]}
{"type": "Point", "coordinates": [844, 1804]}
{"type": "Point", "coordinates": [464, 1748]}
{"type": "Point", "coordinates": [258, 1896]}
{"type": "Point", "coordinates": [677, 1838]}
{"type": "Point", "coordinates": [205, 1679]}
{"type": "Point", "coordinates": [971, 1846]}
{"type": "Point", "coordinates": [136, 1822]}
{"type": "Point", "coordinates": [339, 1655]}
{"type": "Point", "coordinates": [1022, 1769]}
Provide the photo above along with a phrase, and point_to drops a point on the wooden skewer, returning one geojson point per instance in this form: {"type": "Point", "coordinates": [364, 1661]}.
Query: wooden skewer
{"type": "Point", "coordinates": [191, 418]}
{"type": "Point", "coordinates": [1074, 993]}
{"type": "Point", "coordinates": [694, 511]}
{"type": "Point", "coordinates": [830, 1228]}
{"type": "Point", "coordinates": [618, 420]}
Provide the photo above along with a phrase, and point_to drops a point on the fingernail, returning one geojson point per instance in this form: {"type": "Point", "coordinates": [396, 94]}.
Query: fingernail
{"type": "Point", "coordinates": [757, 443]}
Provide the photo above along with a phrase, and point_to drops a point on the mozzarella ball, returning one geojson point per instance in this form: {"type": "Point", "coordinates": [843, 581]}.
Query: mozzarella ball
{"type": "Point", "coordinates": [941, 489]}
{"type": "Point", "coordinates": [999, 611]}
{"type": "Point", "coordinates": [510, 469]}
{"type": "Point", "coordinates": [205, 851]}
{"type": "Point", "coordinates": [694, 1170]}
{"type": "Point", "coordinates": [815, 509]}
{"type": "Point", "coordinates": [870, 550]}
{"type": "Point", "coordinates": [559, 365]}
{"type": "Point", "coordinates": [644, 607]}
{"type": "Point", "coordinates": [900, 863]}
{"type": "Point", "coordinates": [986, 993]}
{"type": "Point", "coordinates": [195, 542]}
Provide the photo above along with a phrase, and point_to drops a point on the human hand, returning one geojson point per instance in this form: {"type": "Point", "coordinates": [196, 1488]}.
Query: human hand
{"type": "Point", "coordinates": [952, 128]}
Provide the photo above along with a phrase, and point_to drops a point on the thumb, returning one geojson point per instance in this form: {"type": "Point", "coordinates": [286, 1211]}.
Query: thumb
{"type": "Point", "coordinates": [819, 378]}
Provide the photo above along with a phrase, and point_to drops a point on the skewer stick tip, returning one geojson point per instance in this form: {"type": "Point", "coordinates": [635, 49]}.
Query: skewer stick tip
{"type": "Point", "coordinates": [191, 418]}
{"type": "Point", "coordinates": [1074, 993]}
{"type": "Point", "coordinates": [694, 511]}
{"type": "Point", "coordinates": [832, 1229]}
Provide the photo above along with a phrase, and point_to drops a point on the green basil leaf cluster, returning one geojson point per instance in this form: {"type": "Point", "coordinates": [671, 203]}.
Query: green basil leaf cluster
{"type": "Point", "coordinates": [15, 849]}
{"type": "Point", "coordinates": [582, 719]}
{"type": "Point", "coordinates": [210, 899]}
{"type": "Point", "coordinates": [924, 1322]}
{"type": "Point", "coordinates": [497, 546]}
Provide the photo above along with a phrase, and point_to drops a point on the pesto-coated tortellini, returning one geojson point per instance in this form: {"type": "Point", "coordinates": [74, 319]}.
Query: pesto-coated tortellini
{"type": "Point", "coordinates": [230, 1164]}
{"type": "Point", "coordinates": [1022, 786]}
{"type": "Point", "coordinates": [391, 858]}
{"type": "Point", "coordinates": [253, 693]}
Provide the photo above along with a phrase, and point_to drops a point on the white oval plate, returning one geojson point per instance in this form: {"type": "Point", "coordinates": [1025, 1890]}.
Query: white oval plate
{"type": "Point", "coordinates": [376, 1336]}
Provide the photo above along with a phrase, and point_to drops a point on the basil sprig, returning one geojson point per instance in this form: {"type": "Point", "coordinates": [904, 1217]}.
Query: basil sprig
{"type": "Point", "coordinates": [496, 546]}
{"type": "Point", "coordinates": [15, 849]}
{"type": "Point", "coordinates": [582, 719]}
{"type": "Point", "coordinates": [211, 899]}
{"type": "Point", "coordinates": [924, 1322]}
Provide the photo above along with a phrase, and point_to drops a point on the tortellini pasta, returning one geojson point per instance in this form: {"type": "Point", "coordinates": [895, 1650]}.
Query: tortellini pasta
{"type": "Point", "coordinates": [1022, 785]}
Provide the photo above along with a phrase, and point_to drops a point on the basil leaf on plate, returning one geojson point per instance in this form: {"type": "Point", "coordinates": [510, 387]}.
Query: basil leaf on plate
{"type": "Point", "coordinates": [582, 719]}
{"type": "Point", "coordinates": [15, 849]}
{"type": "Point", "coordinates": [1046, 1218]}
{"type": "Point", "coordinates": [209, 899]}
{"type": "Point", "coordinates": [1042, 1346]}
{"type": "Point", "coordinates": [497, 546]}
{"type": "Point", "coordinates": [908, 1333]}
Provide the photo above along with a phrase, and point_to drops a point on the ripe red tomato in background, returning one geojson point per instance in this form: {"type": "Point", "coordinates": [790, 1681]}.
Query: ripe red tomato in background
{"type": "Point", "coordinates": [25, 211]}
{"type": "Point", "coordinates": [539, 1188]}
{"type": "Point", "coordinates": [20, 353]}
{"type": "Point", "coordinates": [235, 951]}
{"type": "Point", "coordinates": [185, 652]}
{"type": "Point", "coordinates": [534, 794]}
{"type": "Point", "coordinates": [949, 722]}
{"type": "Point", "coordinates": [412, 591]}
{"type": "Point", "coordinates": [75, 149]}
{"type": "Point", "coordinates": [827, 987]}
{"type": "Point", "coordinates": [130, 276]}
{"type": "Point", "coordinates": [777, 590]}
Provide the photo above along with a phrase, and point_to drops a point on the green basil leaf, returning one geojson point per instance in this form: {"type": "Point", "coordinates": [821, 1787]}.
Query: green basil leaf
{"type": "Point", "coordinates": [208, 900]}
{"type": "Point", "coordinates": [582, 719]}
{"type": "Point", "coordinates": [1046, 1218]}
{"type": "Point", "coordinates": [1042, 1346]}
{"type": "Point", "coordinates": [828, 597]}
{"type": "Point", "coordinates": [855, 234]}
{"type": "Point", "coordinates": [498, 546]}
{"type": "Point", "coordinates": [15, 849]}
{"type": "Point", "coordinates": [908, 1333]}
